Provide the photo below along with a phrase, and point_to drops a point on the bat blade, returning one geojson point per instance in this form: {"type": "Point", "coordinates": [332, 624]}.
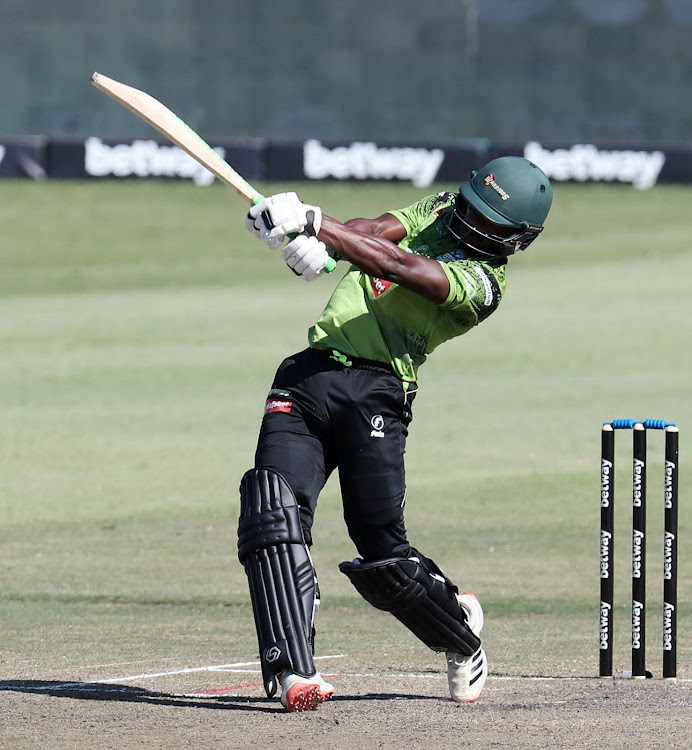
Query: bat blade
{"type": "Point", "coordinates": [156, 114]}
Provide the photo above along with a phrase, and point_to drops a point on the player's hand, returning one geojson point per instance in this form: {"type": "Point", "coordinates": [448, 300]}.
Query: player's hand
{"type": "Point", "coordinates": [306, 256]}
{"type": "Point", "coordinates": [284, 214]}
{"type": "Point", "coordinates": [259, 229]}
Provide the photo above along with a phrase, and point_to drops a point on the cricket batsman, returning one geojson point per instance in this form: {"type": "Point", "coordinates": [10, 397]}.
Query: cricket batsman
{"type": "Point", "coordinates": [417, 277]}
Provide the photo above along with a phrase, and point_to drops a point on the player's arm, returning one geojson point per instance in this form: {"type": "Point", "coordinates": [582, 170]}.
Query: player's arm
{"type": "Point", "coordinates": [387, 226]}
{"type": "Point", "coordinates": [370, 244]}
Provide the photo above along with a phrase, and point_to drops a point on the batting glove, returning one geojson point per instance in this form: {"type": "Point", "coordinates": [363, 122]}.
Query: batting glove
{"type": "Point", "coordinates": [284, 214]}
{"type": "Point", "coordinates": [258, 228]}
{"type": "Point", "coordinates": [306, 256]}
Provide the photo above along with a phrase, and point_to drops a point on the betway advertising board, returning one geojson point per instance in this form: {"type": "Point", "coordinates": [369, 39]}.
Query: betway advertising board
{"type": "Point", "coordinates": [23, 157]}
{"type": "Point", "coordinates": [258, 159]}
{"type": "Point", "coordinates": [359, 161]}
{"type": "Point", "coordinates": [148, 159]}
{"type": "Point", "coordinates": [422, 165]}
{"type": "Point", "coordinates": [585, 162]}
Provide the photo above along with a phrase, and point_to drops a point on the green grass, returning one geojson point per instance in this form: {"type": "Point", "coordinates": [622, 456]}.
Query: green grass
{"type": "Point", "coordinates": [140, 328]}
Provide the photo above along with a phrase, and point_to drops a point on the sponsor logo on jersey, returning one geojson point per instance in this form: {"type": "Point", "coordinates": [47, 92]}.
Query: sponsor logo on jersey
{"type": "Point", "coordinates": [379, 286]}
{"type": "Point", "coordinates": [449, 257]}
{"type": "Point", "coordinates": [487, 285]}
{"type": "Point", "coordinates": [377, 423]}
{"type": "Point", "coordinates": [489, 180]}
{"type": "Point", "coordinates": [275, 404]}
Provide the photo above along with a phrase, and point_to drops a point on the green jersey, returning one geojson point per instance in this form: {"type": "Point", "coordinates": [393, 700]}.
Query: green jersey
{"type": "Point", "coordinates": [376, 319]}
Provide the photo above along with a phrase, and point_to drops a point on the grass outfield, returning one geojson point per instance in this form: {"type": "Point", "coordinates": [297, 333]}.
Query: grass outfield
{"type": "Point", "coordinates": [140, 329]}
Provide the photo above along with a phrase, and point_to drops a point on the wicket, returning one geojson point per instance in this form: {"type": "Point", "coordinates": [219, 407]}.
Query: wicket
{"type": "Point", "coordinates": [670, 545]}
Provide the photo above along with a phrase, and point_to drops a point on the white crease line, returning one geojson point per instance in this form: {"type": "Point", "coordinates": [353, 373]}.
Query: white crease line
{"type": "Point", "coordinates": [236, 671]}
{"type": "Point", "coordinates": [191, 670]}
{"type": "Point", "coordinates": [153, 675]}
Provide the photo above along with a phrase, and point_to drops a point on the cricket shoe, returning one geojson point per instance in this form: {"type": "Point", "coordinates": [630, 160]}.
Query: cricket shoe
{"type": "Point", "coordinates": [467, 674]}
{"type": "Point", "coordinates": [303, 693]}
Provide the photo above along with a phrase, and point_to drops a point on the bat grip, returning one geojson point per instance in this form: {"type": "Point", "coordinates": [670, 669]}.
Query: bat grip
{"type": "Point", "coordinates": [331, 263]}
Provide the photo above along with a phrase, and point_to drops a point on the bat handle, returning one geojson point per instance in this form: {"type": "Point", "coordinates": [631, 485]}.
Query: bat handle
{"type": "Point", "coordinates": [331, 263]}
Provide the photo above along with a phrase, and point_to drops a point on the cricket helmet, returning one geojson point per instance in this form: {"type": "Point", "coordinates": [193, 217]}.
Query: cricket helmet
{"type": "Point", "coordinates": [502, 208]}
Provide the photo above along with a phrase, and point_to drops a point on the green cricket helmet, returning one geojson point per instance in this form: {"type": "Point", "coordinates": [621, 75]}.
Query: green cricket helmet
{"type": "Point", "coordinates": [502, 208]}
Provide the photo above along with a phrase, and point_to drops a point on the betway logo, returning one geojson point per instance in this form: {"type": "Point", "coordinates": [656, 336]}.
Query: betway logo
{"type": "Point", "coordinates": [606, 468]}
{"type": "Point", "coordinates": [606, 538]}
{"type": "Point", "coordinates": [668, 614]}
{"type": "Point", "coordinates": [668, 553]}
{"type": "Point", "coordinates": [668, 488]}
{"type": "Point", "coordinates": [637, 483]}
{"type": "Point", "coordinates": [637, 623]}
{"type": "Point", "coordinates": [605, 625]}
{"type": "Point", "coordinates": [637, 553]}
{"type": "Point", "coordinates": [363, 161]}
{"type": "Point", "coordinates": [585, 162]}
{"type": "Point", "coordinates": [143, 159]}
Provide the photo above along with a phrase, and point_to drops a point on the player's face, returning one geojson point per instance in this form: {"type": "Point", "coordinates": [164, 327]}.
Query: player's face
{"type": "Point", "coordinates": [479, 234]}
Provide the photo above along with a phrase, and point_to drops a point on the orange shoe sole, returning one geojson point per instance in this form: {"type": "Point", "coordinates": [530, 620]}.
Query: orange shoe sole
{"type": "Point", "coordinates": [306, 696]}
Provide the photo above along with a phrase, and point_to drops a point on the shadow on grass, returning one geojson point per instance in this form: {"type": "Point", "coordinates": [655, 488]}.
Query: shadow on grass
{"type": "Point", "coordinates": [95, 691]}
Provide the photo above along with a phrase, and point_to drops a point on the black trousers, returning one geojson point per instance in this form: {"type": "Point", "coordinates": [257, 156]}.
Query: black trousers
{"type": "Point", "coordinates": [322, 415]}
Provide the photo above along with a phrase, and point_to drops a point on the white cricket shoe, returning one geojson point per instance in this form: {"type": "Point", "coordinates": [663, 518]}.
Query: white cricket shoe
{"type": "Point", "coordinates": [467, 674]}
{"type": "Point", "coordinates": [303, 693]}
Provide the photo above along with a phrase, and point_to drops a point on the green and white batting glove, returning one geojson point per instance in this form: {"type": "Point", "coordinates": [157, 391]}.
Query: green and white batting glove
{"type": "Point", "coordinates": [306, 256]}
{"type": "Point", "coordinates": [284, 214]}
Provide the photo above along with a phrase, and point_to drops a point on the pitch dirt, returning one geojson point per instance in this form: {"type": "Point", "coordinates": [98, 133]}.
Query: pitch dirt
{"type": "Point", "coordinates": [368, 711]}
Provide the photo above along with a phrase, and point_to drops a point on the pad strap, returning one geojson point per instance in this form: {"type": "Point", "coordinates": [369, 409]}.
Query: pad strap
{"type": "Point", "coordinates": [424, 601]}
{"type": "Point", "coordinates": [280, 575]}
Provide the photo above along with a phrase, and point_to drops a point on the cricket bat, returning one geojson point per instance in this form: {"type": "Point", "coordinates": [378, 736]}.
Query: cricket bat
{"type": "Point", "coordinates": [169, 124]}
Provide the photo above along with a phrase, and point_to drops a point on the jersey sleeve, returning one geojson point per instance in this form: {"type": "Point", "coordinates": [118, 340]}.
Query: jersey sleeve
{"type": "Point", "coordinates": [419, 213]}
{"type": "Point", "coordinates": [475, 289]}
